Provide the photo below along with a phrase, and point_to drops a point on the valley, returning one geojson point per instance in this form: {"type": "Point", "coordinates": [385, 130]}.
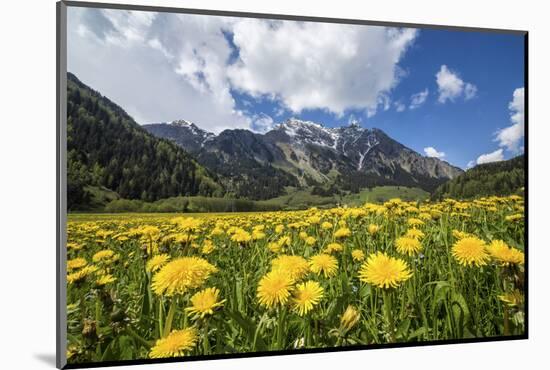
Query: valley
{"type": "Point", "coordinates": [116, 165]}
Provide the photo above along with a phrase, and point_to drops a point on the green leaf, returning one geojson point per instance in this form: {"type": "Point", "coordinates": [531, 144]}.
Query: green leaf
{"type": "Point", "coordinates": [403, 328]}
{"type": "Point", "coordinates": [418, 333]}
{"type": "Point", "coordinates": [248, 327]}
{"type": "Point", "coordinates": [110, 352]}
{"type": "Point", "coordinates": [126, 346]}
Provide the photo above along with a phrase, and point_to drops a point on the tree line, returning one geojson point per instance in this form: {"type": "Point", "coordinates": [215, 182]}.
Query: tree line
{"type": "Point", "coordinates": [497, 178]}
{"type": "Point", "coordinates": [106, 147]}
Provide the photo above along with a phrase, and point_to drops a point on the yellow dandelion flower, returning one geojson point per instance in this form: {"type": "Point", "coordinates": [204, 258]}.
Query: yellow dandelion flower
{"type": "Point", "coordinates": [205, 302]}
{"type": "Point", "coordinates": [306, 295]}
{"type": "Point", "coordinates": [295, 266]}
{"type": "Point", "coordinates": [515, 217]}
{"type": "Point", "coordinates": [241, 236]}
{"type": "Point", "coordinates": [103, 256]}
{"type": "Point", "coordinates": [274, 247]}
{"type": "Point", "coordinates": [157, 262]}
{"type": "Point", "coordinates": [74, 246]}
{"type": "Point", "coordinates": [81, 274]}
{"type": "Point", "coordinates": [310, 240]}
{"type": "Point", "coordinates": [342, 232]}
{"type": "Point", "coordinates": [349, 318]}
{"type": "Point", "coordinates": [326, 225]}
{"type": "Point", "coordinates": [207, 246]}
{"type": "Point", "coordinates": [176, 344]}
{"type": "Point", "coordinates": [274, 288]}
{"type": "Point", "coordinates": [504, 254]}
{"type": "Point", "coordinates": [373, 229]}
{"type": "Point", "coordinates": [415, 234]}
{"type": "Point", "coordinates": [314, 220]}
{"type": "Point", "coordinates": [258, 235]}
{"type": "Point", "coordinates": [217, 231]}
{"type": "Point", "coordinates": [324, 264]}
{"type": "Point", "coordinates": [357, 255]}
{"type": "Point", "coordinates": [184, 238]}
{"type": "Point", "coordinates": [76, 263]}
{"type": "Point", "coordinates": [470, 251]}
{"type": "Point", "coordinates": [284, 241]}
{"type": "Point", "coordinates": [150, 232]}
{"type": "Point", "coordinates": [408, 246]}
{"type": "Point", "coordinates": [334, 247]}
{"type": "Point", "coordinates": [180, 275]}
{"type": "Point", "coordinates": [105, 279]}
{"type": "Point", "coordinates": [415, 222]}
{"type": "Point", "coordinates": [279, 229]}
{"type": "Point", "coordinates": [187, 223]}
{"type": "Point", "coordinates": [384, 271]}
{"type": "Point", "coordinates": [425, 216]}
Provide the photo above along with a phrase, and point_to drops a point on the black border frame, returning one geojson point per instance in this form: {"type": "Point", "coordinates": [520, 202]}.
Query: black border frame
{"type": "Point", "coordinates": [61, 172]}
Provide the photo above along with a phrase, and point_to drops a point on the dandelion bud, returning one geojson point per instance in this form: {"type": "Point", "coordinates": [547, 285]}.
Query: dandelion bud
{"type": "Point", "coordinates": [349, 318]}
{"type": "Point", "coordinates": [89, 330]}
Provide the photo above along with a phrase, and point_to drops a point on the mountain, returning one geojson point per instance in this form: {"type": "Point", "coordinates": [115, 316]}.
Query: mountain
{"type": "Point", "coordinates": [184, 133]}
{"type": "Point", "coordinates": [107, 149]}
{"type": "Point", "coordinates": [301, 153]}
{"type": "Point", "coordinates": [496, 178]}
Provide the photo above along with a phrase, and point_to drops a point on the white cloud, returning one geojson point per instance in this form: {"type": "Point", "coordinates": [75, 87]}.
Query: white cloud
{"type": "Point", "coordinates": [279, 111]}
{"type": "Point", "coordinates": [141, 61]}
{"type": "Point", "coordinates": [470, 91]}
{"type": "Point", "coordinates": [451, 86]}
{"type": "Point", "coordinates": [511, 137]}
{"type": "Point", "coordinates": [495, 156]}
{"type": "Point", "coordinates": [418, 99]}
{"type": "Point", "coordinates": [471, 164]}
{"type": "Point", "coordinates": [399, 107]}
{"type": "Point", "coordinates": [262, 123]}
{"type": "Point", "coordinates": [309, 65]}
{"type": "Point", "coordinates": [432, 152]}
{"type": "Point", "coordinates": [162, 67]}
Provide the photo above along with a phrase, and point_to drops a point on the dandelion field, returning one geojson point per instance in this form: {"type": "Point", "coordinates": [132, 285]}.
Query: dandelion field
{"type": "Point", "coordinates": [169, 285]}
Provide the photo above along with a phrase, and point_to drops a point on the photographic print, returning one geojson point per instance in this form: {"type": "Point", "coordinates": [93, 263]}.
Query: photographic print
{"type": "Point", "coordinates": [244, 185]}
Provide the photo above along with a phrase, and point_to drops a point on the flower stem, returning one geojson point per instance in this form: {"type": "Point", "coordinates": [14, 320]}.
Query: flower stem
{"type": "Point", "coordinates": [280, 325]}
{"type": "Point", "coordinates": [169, 318]}
{"type": "Point", "coordinates": [205, 342]}
{"type": "Point", "coordinates": [389, 316]}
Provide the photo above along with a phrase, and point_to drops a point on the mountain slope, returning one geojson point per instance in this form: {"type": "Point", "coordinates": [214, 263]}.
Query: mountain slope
{"type": "Point", "coordinates": [107, 148]}
{"type": "Point", "coordinates": [185, 134]}
{"type": "Point", "coordinates": [301, 154]}
{"type": "Point", "coordinates": [497, 178]}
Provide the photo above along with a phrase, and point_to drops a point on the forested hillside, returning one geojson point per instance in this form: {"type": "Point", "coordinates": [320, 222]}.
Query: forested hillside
{"type": "Point", "coordinates": [107, 148]}
{"type": "Point", "coordinates": [497, 178]}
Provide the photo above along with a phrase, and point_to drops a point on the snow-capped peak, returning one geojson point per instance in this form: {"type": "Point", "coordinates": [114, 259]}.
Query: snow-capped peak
{"type": "Point", "coordinates": [181, 123]}
{"type": "Point", "coordinates": [194, 129]}
{"type": "Point", "coordinates": [309, 132]}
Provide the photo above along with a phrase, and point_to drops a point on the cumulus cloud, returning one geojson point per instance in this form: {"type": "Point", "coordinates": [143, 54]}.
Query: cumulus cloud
{"type": "Point", "coordinates": [262, 123]}
{"type": "Point", "coordinates": [308, 65]}
{"type": "Point", "coordinates": [162, 67]}
{"type": "Point", "coordinates": [432, 152]}
{"type": "Point", "coordinates": [418, 99]}
{"type": "Point", "coordinates": [451, 87]}
{"type": "Point", "coordinates": [495, 156]}
{"type": "Point", "coordinates": [141, 61]}
{"type": "Point", "coordinates": [511, 136]}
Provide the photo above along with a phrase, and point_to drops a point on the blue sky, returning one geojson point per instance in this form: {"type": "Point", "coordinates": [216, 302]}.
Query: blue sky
{"type": "Point", "coordinates": [226, 73]}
